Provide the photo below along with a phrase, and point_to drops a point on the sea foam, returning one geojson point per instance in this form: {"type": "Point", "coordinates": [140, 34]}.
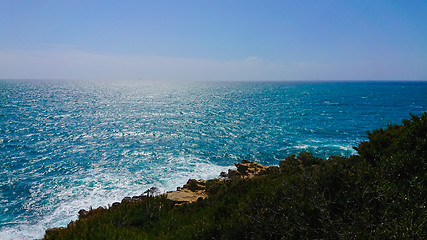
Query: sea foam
{"type": "Point", "coordinates": [67, 146]}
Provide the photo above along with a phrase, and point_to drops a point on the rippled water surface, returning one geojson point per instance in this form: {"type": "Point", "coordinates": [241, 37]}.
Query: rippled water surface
{"type": "Point", "coordinates": [71, 145]}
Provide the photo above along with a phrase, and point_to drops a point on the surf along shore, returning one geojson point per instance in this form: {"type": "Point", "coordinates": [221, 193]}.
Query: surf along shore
{"type": "Point", "coordinates": [193, 191]}
{"type": "Point", "coordinates": [378, 194]}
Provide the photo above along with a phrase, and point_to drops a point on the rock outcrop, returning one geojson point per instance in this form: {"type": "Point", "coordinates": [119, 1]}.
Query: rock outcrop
{"type": "Point", "coordinates": [249, 169]}
{"type": "Point", "coordinates": [195, 189]}
{"type": "Point", "coordinates": [190, 192]}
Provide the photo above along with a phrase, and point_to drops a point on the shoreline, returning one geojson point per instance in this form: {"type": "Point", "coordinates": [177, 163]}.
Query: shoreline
{"type": "Point", "coordinates": [304, 197]}
{"type": "Point", "coordinates": [193, 191]}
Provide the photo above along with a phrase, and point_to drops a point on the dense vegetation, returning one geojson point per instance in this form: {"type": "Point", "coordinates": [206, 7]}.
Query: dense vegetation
{"type": "Point", "coordinates": [379, 194]}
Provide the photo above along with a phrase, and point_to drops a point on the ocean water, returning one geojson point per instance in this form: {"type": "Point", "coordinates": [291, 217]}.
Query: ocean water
{"type": "Point", "coordinates": [67, 145]}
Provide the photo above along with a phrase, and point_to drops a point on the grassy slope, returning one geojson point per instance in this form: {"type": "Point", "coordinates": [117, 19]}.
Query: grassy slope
{"type": "Point", "coordinates": [380, 194]}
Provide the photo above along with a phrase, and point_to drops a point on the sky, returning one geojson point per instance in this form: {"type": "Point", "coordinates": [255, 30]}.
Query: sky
{"type": "Point", "coordinates": [221, 40]}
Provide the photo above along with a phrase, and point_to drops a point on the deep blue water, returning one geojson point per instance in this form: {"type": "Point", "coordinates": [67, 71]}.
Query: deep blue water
{"type": "Point", "coordinates": [71, 145]}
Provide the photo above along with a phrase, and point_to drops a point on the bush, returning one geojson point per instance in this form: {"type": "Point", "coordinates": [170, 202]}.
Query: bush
{"type": "Point", "coordinates": [379, 194]}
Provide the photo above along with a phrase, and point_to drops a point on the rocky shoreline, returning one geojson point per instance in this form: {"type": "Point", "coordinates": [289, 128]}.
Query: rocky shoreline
{"type": "Point", "coordinates": [195, 189]}
{"type": "Point", "coordinates": [192, 191]}
{"type": "Point", "coordinates": [377, 194]}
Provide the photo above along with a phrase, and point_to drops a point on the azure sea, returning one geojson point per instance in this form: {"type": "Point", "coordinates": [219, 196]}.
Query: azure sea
{"type": "Point", "coordinates": [66, 146]}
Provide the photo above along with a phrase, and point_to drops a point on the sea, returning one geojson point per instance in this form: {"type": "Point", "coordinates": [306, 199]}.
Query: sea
{"type": "Point", "coordinates": [71, 145]}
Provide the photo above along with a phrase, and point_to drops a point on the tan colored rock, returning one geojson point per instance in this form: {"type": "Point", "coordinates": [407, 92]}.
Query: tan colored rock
{"type": "Point", "coordinates": [248, 169]}
{"type": "Point", "coordinates": [186, 196]}
{"type": "Point", "coordinates": [193, 184]}
{"type": "Point", "coordinates": [190, 192]}
{"type": "Point", "coordinates": [195, 189]}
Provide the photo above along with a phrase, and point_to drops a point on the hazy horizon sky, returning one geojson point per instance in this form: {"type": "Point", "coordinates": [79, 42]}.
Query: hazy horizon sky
{"type": "Point", "coordinates": [214, 40]}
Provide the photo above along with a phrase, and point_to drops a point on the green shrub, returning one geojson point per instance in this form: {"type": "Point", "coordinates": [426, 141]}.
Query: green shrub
{"type": "Point", "coordinates": [379, 194]}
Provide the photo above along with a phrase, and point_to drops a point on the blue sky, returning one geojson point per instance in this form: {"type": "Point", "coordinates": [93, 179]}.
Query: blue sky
{"type": "Point", "coordinates": [214, 40]}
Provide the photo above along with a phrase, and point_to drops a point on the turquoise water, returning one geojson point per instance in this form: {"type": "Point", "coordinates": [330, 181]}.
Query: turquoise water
{"type": "Point", "coordinates": [65, 146]}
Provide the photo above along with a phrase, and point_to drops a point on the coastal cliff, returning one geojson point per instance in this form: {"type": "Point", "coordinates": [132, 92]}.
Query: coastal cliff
{"type": "Point", "coordinates": [378, 194]}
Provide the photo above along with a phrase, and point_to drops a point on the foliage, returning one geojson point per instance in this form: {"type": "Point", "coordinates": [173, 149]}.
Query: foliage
{"type": "Point", "coordinates": [379, 194]}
